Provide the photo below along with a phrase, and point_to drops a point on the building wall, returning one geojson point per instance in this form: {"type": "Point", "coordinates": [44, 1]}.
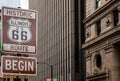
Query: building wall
{"type": "Point", "coordinates": [102, 49]}
{"type": "Point", "coordinates": [91, 6]}
{"type": "Point", "coordinates": [57, 37]}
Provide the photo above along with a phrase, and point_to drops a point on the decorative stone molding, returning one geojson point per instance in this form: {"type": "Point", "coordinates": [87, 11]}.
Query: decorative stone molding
{"type": "Point", "coordinates": [97, 77]}
{"type": "Point", "coordinates": [108, 22]}
{"type": "Point", "coordinates": [87, 34]}
{"type": "Point", "coordinates": [97, 15]}
{"type": "Point", "coordinates": [96, 71]}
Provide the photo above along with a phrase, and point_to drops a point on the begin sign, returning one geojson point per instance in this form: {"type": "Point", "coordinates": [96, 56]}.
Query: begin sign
{"type": "Point", "coordinates": [19, 65]}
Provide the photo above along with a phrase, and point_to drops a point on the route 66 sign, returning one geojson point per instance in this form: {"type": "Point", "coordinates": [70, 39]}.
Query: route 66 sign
{"type": "Point", "coordinates": [19, 30]}
{"type": "Point", "coordinates": [19, 33]}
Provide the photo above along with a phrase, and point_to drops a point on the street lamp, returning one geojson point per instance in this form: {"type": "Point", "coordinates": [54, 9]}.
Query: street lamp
{"type": "Point", "coordinates": [51, 67]}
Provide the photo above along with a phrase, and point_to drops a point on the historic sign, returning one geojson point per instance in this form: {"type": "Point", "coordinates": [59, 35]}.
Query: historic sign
{"type": "Point", "coordinates": [19, 65]}
{"type": "Point", "coordinates": [19, 30]}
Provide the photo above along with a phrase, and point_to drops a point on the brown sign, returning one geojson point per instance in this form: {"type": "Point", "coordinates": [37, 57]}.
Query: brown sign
{"type": "Point", "coordinates": [19, 65]}
{"type": "Point", "coordinates": [19, 30]}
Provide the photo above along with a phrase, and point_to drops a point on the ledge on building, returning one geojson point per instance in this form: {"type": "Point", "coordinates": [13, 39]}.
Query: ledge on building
{"type": "Point", "coordinates": [98, 76]}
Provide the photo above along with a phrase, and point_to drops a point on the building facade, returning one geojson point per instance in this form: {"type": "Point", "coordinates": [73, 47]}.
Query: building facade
{"type": "Point", "coordinates": [59, 42]}
{"type": "Point", "coordinates": [102, 40]}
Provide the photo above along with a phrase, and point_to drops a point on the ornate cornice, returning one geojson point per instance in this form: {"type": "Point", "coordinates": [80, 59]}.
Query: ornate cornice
{"type": "Point", "coordinates": [101, 12]}
{"type": "Point", "coordinates": [98, 76]}
{"type": "Point", "coordinates": [114, 33]}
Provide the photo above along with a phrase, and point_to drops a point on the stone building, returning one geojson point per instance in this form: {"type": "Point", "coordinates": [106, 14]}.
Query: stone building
{"type": "Point", "coordinates": [102, 40]}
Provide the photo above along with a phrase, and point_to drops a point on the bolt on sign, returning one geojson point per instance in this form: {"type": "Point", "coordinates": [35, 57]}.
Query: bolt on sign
{"type": "Point", "coordinates": [19, 65]}
{"type": "Point", "coordinates": [19, 30]}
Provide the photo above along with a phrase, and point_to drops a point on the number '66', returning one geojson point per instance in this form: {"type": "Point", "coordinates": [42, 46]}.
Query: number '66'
{"type": "Point", "coordinates": [19, 35]}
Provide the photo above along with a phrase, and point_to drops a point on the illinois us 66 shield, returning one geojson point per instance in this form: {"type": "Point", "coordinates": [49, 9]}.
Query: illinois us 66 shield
{"type": "Point", "coordinates": [19, 30]}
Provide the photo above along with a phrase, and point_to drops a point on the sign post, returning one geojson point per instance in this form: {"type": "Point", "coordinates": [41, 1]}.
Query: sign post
{"type": "Point", "coordinates": [19, 31]}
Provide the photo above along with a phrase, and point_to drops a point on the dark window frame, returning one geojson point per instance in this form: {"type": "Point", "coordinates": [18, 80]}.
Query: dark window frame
{"type": "Point", "coordinates": [97, 3]}
{"type": "Point", "coordinates": [98, 27]}
{"type": "Point", "coordinates": [98, 61]}
{"type": "Point", "coordinates": [115, 17]}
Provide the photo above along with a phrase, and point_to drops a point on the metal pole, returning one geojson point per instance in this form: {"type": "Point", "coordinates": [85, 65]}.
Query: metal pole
{"type": "Point", "coordinates": [51, 71]}
{"type": "Point", "coordinates": [17, 78]}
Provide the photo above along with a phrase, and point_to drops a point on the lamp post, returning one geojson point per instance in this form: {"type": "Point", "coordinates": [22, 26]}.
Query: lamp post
{"type": "Point", "coordinates": [51, 67]}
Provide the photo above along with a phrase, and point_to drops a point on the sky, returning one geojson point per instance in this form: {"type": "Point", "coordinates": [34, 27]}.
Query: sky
{"type": "Point", "coordinates": [15, 3]}
{"type": "Point", "coordinates": [24, 4]}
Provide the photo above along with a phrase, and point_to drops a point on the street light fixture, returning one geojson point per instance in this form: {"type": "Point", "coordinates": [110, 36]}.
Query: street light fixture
{"type": "Point", "coordinates": [51, 67]}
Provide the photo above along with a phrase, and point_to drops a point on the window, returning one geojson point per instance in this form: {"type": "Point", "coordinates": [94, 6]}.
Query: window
{"type": "Point", "coordinates": [98, 27]}
{"type": "Point", "coordinates": [98, 3]}
{"type": "Point", "coordinates": [98, 61]}
{"type": "Point", "coordinates": [116, 18]}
